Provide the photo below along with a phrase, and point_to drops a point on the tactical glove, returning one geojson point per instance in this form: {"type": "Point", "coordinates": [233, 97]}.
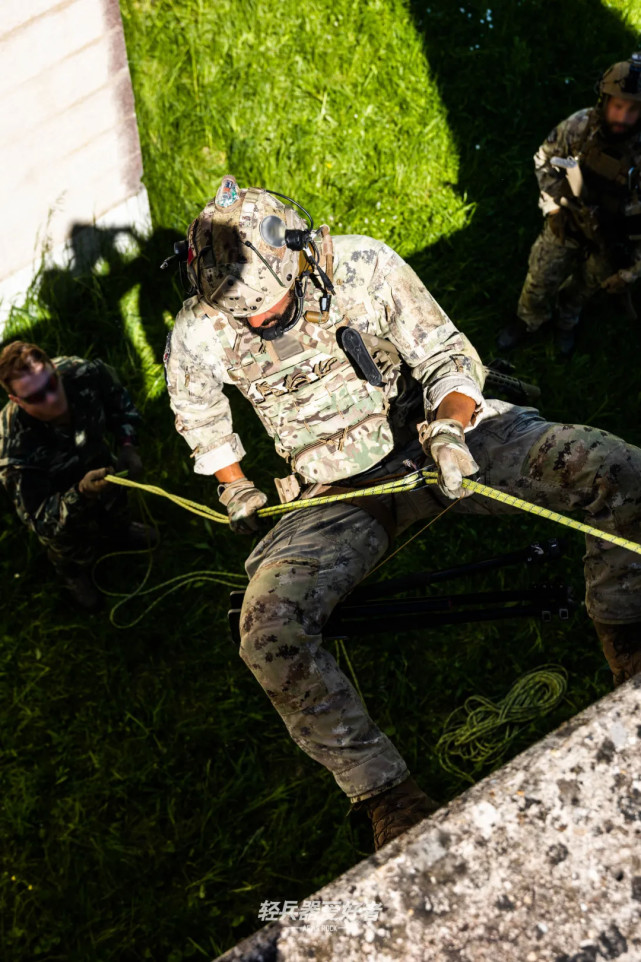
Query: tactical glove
{"type": "Point", "coordinates": [242, 500]}
{"type": "Point", "coordinates": [444, 442]}
{"type": "Point", "coordinates": [129, 461]}
{"type": "Point", "coordinates": [617, 283]}
{"type": "Point", "coordinates": [93, 483]}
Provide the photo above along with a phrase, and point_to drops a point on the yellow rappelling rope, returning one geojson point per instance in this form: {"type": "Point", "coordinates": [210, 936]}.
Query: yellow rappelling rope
{"type": "Point", "coordinates": [408, 483]}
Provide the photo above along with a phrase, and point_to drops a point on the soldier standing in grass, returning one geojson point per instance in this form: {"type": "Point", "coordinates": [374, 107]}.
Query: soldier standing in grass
{"type": "Point", "coordinates": [54, 458]}
{"type": "Point", "coordinates": [272, 302]}
{"type": "Point", "coordinates": [589, 174]}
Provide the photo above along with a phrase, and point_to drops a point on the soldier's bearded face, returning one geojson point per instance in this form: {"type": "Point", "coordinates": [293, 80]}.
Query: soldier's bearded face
{"type": "Point", "coordinates": [40, 392]}
{"type": "Point", "coordinates": [622, 116]}
{"type": "Point", "coordinates": [283, 309]}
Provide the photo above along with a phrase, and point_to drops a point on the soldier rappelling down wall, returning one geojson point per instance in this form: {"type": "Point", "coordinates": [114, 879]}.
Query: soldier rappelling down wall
{"type": "Point", "coordinates": [589, 174]}
{"type": "Point", "coordinates": [272, 302]}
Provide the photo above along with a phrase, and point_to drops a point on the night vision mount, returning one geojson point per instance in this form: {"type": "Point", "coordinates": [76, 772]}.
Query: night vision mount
{"type": "Point", "coordinates": [632, 83]}
{"type": "Point", "coordinates": [179, 256]}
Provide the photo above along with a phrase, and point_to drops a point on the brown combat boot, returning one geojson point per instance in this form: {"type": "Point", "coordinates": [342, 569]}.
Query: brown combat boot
{"type": "Point", "coordinates": [622, 648]}
{"type": "Point", "coordinates": [394, 811]}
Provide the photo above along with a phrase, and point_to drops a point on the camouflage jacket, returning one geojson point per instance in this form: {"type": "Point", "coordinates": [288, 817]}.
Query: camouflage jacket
{"type": "Point", "coordinates": [325, 421]}
{"type": "Point", "coordinates": [605, 168]}
{"type": "Point", "coordinates": [41, 464]}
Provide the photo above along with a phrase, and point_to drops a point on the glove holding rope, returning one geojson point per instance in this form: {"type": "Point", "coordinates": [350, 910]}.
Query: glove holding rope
{"type": "Point", "coordinates": [444, 442]}
{"type": "Point", "coordinates": [619, 282]}
{"type": "Point", "coordinates": [93, 484]}
{"type": "Point", "coordinates": [242, 499]}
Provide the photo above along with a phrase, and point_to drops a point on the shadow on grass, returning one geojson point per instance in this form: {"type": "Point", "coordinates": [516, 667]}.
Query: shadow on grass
{"type": "Point", "coordinates": [507, 75]}
{"type": "Point", "coordinates": [123, 749]}
{"type": "Point", "coordinates": [81, 305]}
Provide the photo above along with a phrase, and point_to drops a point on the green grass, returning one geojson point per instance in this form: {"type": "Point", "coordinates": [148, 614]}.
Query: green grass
{"type": "Point", "coordinates": [151, 798]}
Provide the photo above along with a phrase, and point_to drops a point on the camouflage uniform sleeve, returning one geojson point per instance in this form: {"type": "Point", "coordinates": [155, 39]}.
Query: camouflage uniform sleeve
{"type": "Point", "coordinates": [44, 511]}
{"type": "Point", "coordinates": [562, 141]}
{"type": "Point", "coordinates": [121, 416]}
{"type": "Point", "coordinates": [439, 355]}
{"type": "Point", "coordinates": [195, 376]}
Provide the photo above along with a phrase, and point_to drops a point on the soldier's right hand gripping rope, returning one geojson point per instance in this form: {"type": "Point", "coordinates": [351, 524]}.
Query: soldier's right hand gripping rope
{"type": "Point", "coordinates": [242, 499]}
{"type": "Point", "coordinates": [444, 441]}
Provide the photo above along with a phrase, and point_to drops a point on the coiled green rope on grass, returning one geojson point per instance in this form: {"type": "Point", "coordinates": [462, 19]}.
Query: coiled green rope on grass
{"type": "Point", "coordinates": [480, 731]}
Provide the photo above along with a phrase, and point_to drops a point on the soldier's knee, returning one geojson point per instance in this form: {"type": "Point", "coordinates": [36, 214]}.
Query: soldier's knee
{"type": "Point", "coordinates": [280, 654]}
{"type": "Point", "coordinates": [617, 481]}
{"type": "Point", "coordinates": [597, 470]}
{"type": "Point", "coordinates": [282, 603]}
{"type": "Point", "coordinates": [271, 631]}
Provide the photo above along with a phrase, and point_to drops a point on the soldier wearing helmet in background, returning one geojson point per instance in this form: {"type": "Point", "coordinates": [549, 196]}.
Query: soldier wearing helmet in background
{"type": "Point", "coordinates": [358, 375]}
{"type": "Point", "coordinates": [589, 174]}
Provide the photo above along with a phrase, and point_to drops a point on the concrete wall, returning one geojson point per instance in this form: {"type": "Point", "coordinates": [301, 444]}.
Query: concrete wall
{"type": "Point", "coordinates": [540, 862]}
{"type": "Point", "coordinates": [69, 147]}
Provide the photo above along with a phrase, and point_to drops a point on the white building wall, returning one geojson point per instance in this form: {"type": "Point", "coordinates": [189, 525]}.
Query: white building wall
{"type": "Point", "coordinates": [69, 147]}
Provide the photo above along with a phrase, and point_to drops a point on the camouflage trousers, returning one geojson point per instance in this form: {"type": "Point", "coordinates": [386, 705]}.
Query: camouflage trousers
{"type": "Point", "coordinates": [313, 558]}
{"type": "Point", "coordinates": [561, 278]}
{"type": "Point", "coordinates": [82, 539]}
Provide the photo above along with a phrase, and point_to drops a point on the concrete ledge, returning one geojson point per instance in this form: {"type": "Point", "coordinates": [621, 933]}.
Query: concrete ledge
{"type": "Point", "coordinates": [540, 862]}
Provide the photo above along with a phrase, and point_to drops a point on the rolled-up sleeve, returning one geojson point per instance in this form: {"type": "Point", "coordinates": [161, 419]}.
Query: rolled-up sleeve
{"type": "Point", "coordinates": [195, 378]}
{"type": "Point", "coordinates": [563, 141]}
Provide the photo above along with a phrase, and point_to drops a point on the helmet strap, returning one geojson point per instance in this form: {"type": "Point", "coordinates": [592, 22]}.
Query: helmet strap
{"type": "Point", "coordinates": [281, 327]}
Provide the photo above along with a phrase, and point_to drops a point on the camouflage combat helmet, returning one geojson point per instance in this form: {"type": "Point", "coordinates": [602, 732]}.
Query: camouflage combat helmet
{"type": "Point", "coordinates": [237, 256]}
{"type": "Point", "coordinates": [622, 80]}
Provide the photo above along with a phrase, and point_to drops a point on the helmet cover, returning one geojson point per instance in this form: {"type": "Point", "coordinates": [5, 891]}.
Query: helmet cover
{"type": "Point", "coordinates": [623, 79]}
{"type": "Point", "coordinates": [237, 256]}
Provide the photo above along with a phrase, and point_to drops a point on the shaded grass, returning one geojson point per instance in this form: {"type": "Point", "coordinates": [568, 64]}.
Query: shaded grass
{"type": "Point", "coordinates": [151, 798]}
